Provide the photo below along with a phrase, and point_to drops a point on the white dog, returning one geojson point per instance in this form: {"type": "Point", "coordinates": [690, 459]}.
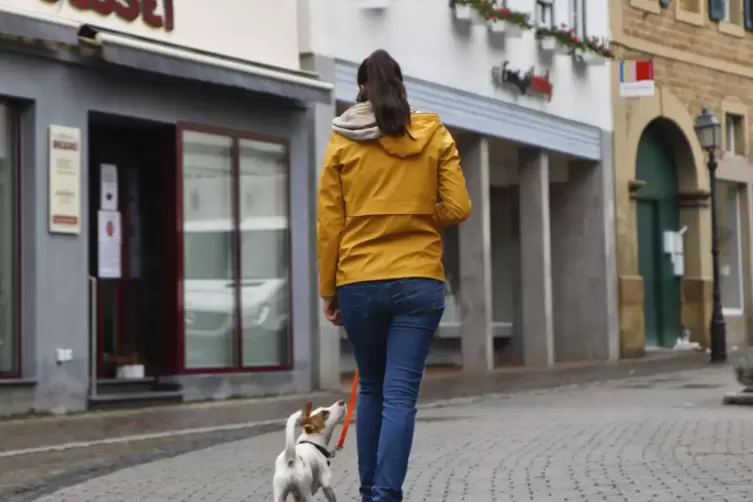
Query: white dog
{"type": "Point", "coordinates": [303, 467]}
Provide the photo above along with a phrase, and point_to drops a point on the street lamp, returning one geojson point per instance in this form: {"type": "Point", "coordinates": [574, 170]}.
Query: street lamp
{"type": "Point", "coordinates": [709, 132]}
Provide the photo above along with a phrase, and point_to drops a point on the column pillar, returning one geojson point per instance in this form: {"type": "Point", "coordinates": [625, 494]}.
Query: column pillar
{"type": "Point", "coordinates": [535, 259]}
{"type": "Point", "coordinates": [325, 338]}
{"type": "Point", "coordinates": [475, 261]}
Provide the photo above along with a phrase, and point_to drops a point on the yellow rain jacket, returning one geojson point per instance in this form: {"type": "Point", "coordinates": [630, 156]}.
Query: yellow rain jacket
{"type": "Point", "coordinates": [383, 199]}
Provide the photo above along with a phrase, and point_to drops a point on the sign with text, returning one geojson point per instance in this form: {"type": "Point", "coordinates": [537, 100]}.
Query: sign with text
{"type": "Point", "coordinates": [258, 31]}
{"type": "Point", "coordinates": [157, 14]}
{"type": "Point", "coordinates": [65, 179]}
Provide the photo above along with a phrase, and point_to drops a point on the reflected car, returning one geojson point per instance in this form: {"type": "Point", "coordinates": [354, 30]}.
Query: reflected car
{"type": "Point", "coordinates": [210, 294]}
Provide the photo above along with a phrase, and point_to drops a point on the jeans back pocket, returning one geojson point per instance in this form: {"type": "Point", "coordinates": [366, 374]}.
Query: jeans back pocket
{"type": "Point", "coordinates": [417, 296]}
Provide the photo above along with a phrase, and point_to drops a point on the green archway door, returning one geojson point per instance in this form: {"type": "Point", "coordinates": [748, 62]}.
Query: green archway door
{"type": "Point", "coordinates": [657, 212]}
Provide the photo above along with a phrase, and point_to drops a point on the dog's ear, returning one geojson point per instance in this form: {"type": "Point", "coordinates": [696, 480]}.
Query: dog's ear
{"type": "Point", "coordinates": [309, 428]}
{"type": "Point", "coordinates": [305, 419]}
{"type": "Point", "coordinates": [306, 413]}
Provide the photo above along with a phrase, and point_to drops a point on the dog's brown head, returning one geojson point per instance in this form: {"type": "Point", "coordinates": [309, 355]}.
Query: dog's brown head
{"type": "Point", "coordinates": [316, 423]}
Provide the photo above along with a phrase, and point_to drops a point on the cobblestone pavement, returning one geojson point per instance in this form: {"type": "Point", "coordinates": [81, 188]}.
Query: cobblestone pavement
{"type": "Point", "coordinates": [664, 438]}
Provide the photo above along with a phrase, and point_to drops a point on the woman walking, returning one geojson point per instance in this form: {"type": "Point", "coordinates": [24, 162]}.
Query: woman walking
{"type": "Point", "coordinates": [391, 180]}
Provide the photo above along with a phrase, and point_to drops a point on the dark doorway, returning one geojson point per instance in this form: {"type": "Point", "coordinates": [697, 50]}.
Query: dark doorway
{"type": "Point", "coordinates": [135, 311]}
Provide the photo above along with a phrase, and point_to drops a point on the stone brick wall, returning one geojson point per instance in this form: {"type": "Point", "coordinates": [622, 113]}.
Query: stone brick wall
{"type": "Point", "coordinates": [693, 83]}
{"type": "Point", "coordinates": [696, 62]}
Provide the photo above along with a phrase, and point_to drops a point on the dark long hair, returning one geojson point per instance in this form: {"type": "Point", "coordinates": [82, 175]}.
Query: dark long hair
{"type": "Point", "coordinates": [381, 81]}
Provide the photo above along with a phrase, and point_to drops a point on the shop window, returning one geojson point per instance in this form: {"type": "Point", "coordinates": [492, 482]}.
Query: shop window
{"type": "Point", "coordinates": [235, 253]}
{"type": "Point", "coordinates": [578, 17]}
{"type": "Point", "coordinates": [9, 346]}
{"type": "Point", "coordinates": [691, 11]}
{"type": "Point", "coordinates": [730, 259]}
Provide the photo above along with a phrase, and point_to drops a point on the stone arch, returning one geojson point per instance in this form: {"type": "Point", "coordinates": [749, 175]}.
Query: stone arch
{"type": "Point", "coordinates": [677, 126]}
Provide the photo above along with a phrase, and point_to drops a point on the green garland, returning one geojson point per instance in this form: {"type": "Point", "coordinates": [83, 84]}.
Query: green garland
{"type": "Point", "coordinates": [564, 35]}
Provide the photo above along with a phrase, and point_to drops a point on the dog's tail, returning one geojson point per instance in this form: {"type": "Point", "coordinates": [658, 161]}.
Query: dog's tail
{"type": "Point", "coordinates": [290, 438]}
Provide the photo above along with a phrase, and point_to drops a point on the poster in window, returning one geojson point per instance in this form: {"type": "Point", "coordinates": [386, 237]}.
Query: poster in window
{"type": "Point", "coordinates": [65, 180]}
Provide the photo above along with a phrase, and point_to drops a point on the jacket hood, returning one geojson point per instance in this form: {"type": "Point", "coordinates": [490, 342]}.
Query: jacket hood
{"type": "Point", "coordinates": [358, 124]}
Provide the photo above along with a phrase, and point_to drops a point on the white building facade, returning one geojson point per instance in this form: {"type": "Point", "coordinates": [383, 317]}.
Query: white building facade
{"type": "Point", "coordinates": [531, 275]}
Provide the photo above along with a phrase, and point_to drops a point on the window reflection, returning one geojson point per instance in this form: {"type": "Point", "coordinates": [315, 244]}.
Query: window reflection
{"type": "Point", "coordinates": [208, 213]}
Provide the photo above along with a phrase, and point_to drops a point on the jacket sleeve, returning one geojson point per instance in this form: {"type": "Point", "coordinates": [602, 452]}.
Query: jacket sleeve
{"type": "Point", "coordinates": [330, 221]}
{"type": "Point", "coordinates": [454, 204]}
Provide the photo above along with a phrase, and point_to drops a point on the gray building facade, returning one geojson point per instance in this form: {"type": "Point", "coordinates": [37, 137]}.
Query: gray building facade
{"type": "Point", "coordinates": [156, 116]}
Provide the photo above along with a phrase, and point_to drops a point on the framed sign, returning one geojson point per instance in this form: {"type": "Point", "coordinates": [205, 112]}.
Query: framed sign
{"type": "Point", "coordinates": [65, 180]}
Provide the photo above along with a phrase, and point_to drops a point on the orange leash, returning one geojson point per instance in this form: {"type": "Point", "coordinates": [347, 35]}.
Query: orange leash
{"type": "Point", "coordinates": [349, 414]}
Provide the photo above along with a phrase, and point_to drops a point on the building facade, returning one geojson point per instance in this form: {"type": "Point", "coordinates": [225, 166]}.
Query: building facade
{"type": "Point", "coordinates": [531, 273]}
{"type": "Point", "coordinates": [154, 202]}
{"type": "Point", "coordinates": [701, 54]}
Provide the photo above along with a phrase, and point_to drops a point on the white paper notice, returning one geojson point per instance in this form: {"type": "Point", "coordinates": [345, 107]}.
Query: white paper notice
{"type": "Point", "coordinates": [109, 240]}
{"type": "Point", "coordinates": [108, 187]}
{"type": "Point", "coordinates": [65, 179]}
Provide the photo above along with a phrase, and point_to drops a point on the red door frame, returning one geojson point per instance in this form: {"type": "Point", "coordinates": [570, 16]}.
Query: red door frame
{"type": "Point", "coordinates": [180, 339]}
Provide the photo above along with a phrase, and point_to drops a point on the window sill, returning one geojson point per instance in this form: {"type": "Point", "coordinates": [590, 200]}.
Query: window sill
{"type": "Point", "coordinates": [18, 382]}
{"type": "Point", "coordinates": [650, 6]}
{"type": "Point", "coordinates": [687, 17]}
{"type": "Point", "coordinates": [732, 312]}
{"type": "Point", "coordinates": [731, 29]}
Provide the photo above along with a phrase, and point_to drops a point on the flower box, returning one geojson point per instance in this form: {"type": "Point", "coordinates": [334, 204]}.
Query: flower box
{"type": "Point", "coordinates": [562, 50]}
{"type": "Point", "coordinates": [513, 30]}
{"type": "Point", "coordinates": [463, 12]}
{"type": "Point", "coordinates": [130, 372]}
{"type": "Point", "coordinates": [548, 44]}
{"type": "Point", "coordinates": [497, 26]}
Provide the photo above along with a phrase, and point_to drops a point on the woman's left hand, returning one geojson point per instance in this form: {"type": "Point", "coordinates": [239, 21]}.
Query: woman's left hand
{"type": "Point", "coordinates": [332, 311]}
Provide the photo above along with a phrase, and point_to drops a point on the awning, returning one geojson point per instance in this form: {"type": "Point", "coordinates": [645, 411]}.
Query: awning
{"type": "Point", "coordinates": [170, 60]}
{"type": "Point", "coordinates": [38, 28]}
{"type": "Point", "coordinates": [179, 62]}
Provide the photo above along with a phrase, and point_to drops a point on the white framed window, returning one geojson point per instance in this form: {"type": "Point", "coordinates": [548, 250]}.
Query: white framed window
{"type": "Point", "coordinates": [578, 17]}
{"type": "Point", "coordinates": [727, 16]}
{"type": "Point", "coordinates": [545, 13]}
{"type": "Point", "coordinates": [730, 248]}
{"type": "Point", "coordinates": [733, 132]}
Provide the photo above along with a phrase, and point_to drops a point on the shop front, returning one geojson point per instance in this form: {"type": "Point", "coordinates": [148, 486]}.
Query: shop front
{"type": "Point", "coordinates": [154, 204]}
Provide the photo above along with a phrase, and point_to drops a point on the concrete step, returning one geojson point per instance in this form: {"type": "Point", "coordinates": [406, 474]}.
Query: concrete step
{"type": "Point", "coordinates": [129, 400]}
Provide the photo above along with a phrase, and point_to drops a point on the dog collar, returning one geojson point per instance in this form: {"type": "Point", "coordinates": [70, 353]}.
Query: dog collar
{"type": "Point", "coordinates": [321, 449]}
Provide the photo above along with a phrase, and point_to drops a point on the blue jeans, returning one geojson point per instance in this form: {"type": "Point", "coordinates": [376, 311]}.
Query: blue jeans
{"type": "Point", "coordinates": [390, 325]}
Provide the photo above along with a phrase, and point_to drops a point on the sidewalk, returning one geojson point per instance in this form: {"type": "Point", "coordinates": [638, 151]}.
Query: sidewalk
{"type": "Point", "coordinates": [22, 434]}
{"type": "Point", "coordinates": [657, 438]}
